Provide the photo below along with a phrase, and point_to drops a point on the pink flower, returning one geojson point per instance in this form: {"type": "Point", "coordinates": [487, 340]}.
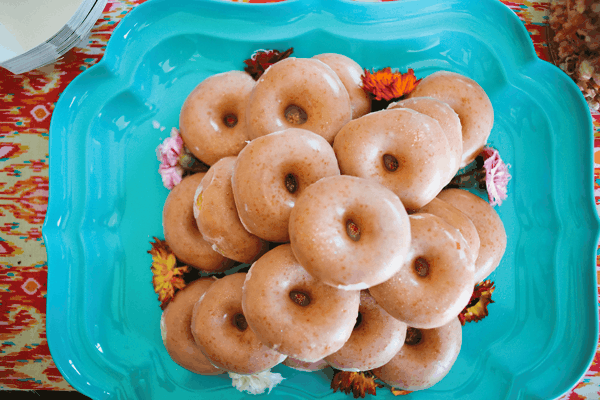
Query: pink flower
{"type": "Point", "coordinates": [171, 175]}
{"type": "Point", "coordinates": [169, 153]}
{"type": "Point", "coordinates": [496, 176]}
{"type": "Point", "coordinates": [170, 149]}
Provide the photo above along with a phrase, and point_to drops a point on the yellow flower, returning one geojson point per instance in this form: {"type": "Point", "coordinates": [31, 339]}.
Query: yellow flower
{"type": "Point", "coordinates": [477, 310]}
{"type": "Point", "coordinates": [167, 277]}
{"type": "Point", "coordinates": [400, 392]}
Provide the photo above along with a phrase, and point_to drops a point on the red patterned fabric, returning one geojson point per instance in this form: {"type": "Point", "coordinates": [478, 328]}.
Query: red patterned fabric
{"type": "Point", "coordinates": [26, 104]}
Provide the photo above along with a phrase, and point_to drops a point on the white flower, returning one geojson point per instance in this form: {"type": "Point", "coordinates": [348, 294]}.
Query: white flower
{"type": "Point", "coordinates": [257, 383]}
{"type": "Point", "coordinates": [586, 70]}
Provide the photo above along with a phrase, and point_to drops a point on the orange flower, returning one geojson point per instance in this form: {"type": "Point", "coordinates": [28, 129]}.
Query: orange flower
{"type": "Point", "coordinates": [167, 277]}
{"type": "Point", "coordinates": [359, 383]}
{"type": "Point", "coordinates": [400, 392]}
{"type": "Point", "coordinates": [387, 85]}
{"type": "Point", "coordinates": [477, 310]}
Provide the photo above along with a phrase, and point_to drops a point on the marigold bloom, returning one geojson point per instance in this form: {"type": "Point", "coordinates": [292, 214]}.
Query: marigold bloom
{"type": "Point", "coordinates": [167, 278]}
{"type": "Point", "coordinates": [385, 84]}
{"type": "Point", "coordinates": [477, 310]}
{"type": "Point", "coordinates": [357, 383]}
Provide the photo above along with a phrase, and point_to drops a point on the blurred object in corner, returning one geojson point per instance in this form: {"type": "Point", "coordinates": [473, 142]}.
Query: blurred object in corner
{"type": "Point", "coordinates": [34, 33]}
{"type": "Point", "coordinates": [574, 44]}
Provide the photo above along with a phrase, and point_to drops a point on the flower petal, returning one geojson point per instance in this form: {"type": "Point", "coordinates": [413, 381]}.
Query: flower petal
{"type": "Point", "coordinates": [167, 277]}
{"type": "Point", "coordinates": [385, 84]}
{"type": "Point", "coordinates": [477, 310]}
{"type": "Point", "coordinates": [496, 176]}
{"type": "Point", "coordinates": [256, 383]}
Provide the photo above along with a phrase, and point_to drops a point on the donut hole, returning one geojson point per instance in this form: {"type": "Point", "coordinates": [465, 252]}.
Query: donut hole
{"type": "Point", "coordinates": [295, 115]}
{"type": "Point", "coordinates": [414, 336]}
{"type": "Point", "coordinates": [230, 120]}
{"type": "Point", "coordinates": [421, 267]}
{"type": "Point", "coordinates": [359, 320]}
{"type": "Point", "coordinates": [300, 298]}
{"type": "Point", "coordinates": [390, 163]}
{"type": "Point", "coordinates": [291, 183]}
{"type": "Point", "coordinates": [239, 321]}
{"type": "Point", "coordinates": [357, 222]}
{"type": "Point", "coordinates": [353, 229]}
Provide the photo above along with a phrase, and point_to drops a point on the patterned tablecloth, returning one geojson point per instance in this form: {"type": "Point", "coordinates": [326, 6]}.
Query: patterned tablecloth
{"type": "Point", "coordinates": [26, 105]}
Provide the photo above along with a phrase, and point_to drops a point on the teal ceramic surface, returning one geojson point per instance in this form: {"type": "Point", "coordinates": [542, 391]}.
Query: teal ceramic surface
{"type": "Point", "coordinates": [106, 195]}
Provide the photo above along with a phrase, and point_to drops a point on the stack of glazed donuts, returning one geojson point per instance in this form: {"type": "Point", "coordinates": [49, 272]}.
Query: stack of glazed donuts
{"type": "Point", "coordinates": [370, 260]}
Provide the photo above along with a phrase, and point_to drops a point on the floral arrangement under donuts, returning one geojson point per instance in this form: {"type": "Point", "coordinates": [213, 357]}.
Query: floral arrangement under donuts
{"type": "Point", "coordinates": [306, 193]}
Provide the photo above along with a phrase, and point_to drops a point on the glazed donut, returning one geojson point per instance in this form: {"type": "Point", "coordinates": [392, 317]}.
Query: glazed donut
{"type": "Point", "coordinates": [404, 150]}
{"type": "Point", "coordinates": [176, 330]}
{"type": "Point", "coordinates": [212, 122]}
{"type": "Point", "coordinates": [489, 228]}
{"type": "Point", "coordinates": [217, 217]}
{"type": "Point", "coordinates": [292, 312]}
{"type": "Point", "coordinates": [181, 232]}
{"type": "Point", "coordinates": [304, 365]}
{"type": "Point", "coordinates": [376, 337]}
{"type": "Point", "coordinates": [425, 359]}
{"type": "Point", "coordinates": [222, 333]}
{"type": "Point", "coordinates": [298, 93]}
{"type": "Point", "coordinates": [449, 122]}
{"type": "Point", "coordinates": [469, 101]}
{"type": "Point", "coordinates": [349, 232]}
{"type": "Point", "coordinates": [435, 283]}
{"type": "Point", "coordinates": [270, 174]}
{"type": "Point", "coordinates": [350, 74]}
{"type": "Point", "coordinates": [458, 220]}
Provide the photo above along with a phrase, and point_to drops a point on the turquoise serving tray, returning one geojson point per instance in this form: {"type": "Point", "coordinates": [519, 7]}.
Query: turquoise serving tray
{"type": "Point", "coordinates": [106, 196]}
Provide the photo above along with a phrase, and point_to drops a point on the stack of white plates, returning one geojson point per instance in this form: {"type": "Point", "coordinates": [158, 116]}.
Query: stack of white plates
{"type": "Point", "coordinates": [34, 33]}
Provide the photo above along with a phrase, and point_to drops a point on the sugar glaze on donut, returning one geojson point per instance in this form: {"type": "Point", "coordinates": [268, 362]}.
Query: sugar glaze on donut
{"type": "Point", "coordinates": [292, 312]}
{"type": "Point", "coordinates": [460, 221]}
{"type": "Point", "coordinates": [350, 74]}
{"type": "Point", "coordinates": [176, 329]}
{"type": "Point", "coordinates": [217, 217]}
{"type": "Point", "coordinates": [181, 232]}
{"type": "Point", "coordinates": [349, 232]}
{"type": "Point", "coordinates": [449, 122]}
{"type": "Point", "coordinates": [425, 359]}
{"type": "Point", "coordinates": [270, 174]}
{"type": "Point", "coordinates": [298, 93]}
{"type": "Point", "coordinates": [305, 366]}
{"type": "Point", "coordinates": [489, 228]}
{"type": "Point", "coordinates": [222, 333]}
{"type": "Point", "coordinates": [376, 337]}
{"type": "Point", "coordinates": [402, 149]}
{"type": "Point", "coordinates": [436, 282]}
{"type": "Point", "coordinates": [212, 121]}
{"type": "Point", "coordinates": [469, 101]}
